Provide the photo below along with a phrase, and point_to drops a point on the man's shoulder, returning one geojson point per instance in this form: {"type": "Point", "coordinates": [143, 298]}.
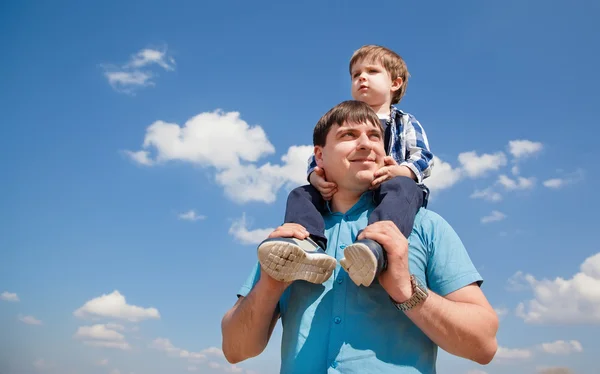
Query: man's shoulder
{"type": "Point", "coordinates": [428, 222]}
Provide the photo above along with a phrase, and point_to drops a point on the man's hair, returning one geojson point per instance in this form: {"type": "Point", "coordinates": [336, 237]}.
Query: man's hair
{"type": "Point", "coordinates": [390, 60]}
{"type": "Point", "coordinates": [352, 111]}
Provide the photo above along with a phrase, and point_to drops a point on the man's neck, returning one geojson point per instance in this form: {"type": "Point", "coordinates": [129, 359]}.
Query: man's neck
{"type": "Point", "coordinates": [342, 201]}
{"type": "Point", "coordinates": [383, 110]}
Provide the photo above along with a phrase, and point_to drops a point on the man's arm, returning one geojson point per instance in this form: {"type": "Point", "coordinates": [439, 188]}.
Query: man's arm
{"type": "Point", "coordinates": [248, 325]}
{"type": "Point", "coordinates": [463, 323]}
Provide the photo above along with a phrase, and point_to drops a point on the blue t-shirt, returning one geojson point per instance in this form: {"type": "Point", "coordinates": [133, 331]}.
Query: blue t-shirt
{"type": "Point", "coordinates": [338, 327]}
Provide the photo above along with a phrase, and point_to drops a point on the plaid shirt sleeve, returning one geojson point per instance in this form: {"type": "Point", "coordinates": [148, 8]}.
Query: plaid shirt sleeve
{"type": "Point", "coordinates": [418, 156]}
{"type": "Point", "coordinates": [312, 164]}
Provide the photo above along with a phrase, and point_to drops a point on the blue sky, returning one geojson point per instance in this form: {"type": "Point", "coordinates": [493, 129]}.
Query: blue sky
{"type": "Point", "coordinates": [148, 146]}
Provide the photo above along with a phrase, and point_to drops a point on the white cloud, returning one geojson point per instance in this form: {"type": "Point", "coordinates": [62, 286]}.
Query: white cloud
{"type": "Point", "coordinates": [513, 354]}
{"type": "Point", "coordinates": [100, 332]}
{"type": "Point", "coordinates": [192, 368]}
{"type": "Point", "coordinates": [493, 217]}
{"type": "Point", "coordinates": [520, 183]}
{"type": "Point", "coordinates": [114, 305]}
{"type": "Point", "coordinates": [515, 170]}
{"type": "Point", "coordinates": [140, 157]}
{"type": "Point", "coordinates": [524, 148]}
{"type": "Point", "coordinates": [240, 232]}
{"type": "Point", "coordinates": [30, 320]}
{"type": "Point", "coordinates": [501, 311]}
{"type": "Point", "coordinates": [476, 371]}
{"type": "Point", "coordinates": [191, 215]}
{"type": "Point", "coordinates": [108, 344]}
{"type": "Point", "coordinates": [561, 347]}
{"type": "Point", "coordinates": [232, 148]}
{"type": "Point", "coordinates": [7, 296]}
{"type": "Point", "coordinates": [102, 362]}
{"type": "Point", "coordinates": [165, 345]}
{"type": "Point", "coordinates": [554, 183]}
{"type": "Point", "coordinates": [487, 194]}
{"type": "Point", "coordinates": [571, 178]}
{"type": "Point", "coordinates": [130, 77]}
{"type": "Point", "coordinates": [443, 175]}
{"type": "Point", "coordinates": [477, 166]}
{"type": "Point", "coordinates": [152, 56]}
{"type": "Point", "coordinates": [570, 301]}
{"type": "Point", "coordinates": [115, 371]}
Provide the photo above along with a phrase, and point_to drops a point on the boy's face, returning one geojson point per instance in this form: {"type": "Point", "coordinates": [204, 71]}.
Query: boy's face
{"type": "Point", "coordinates": [352, 153]}
{"type": "Point", "coordinates": [372, 84]}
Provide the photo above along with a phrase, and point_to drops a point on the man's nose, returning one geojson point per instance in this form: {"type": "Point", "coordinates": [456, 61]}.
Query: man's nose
{"type": "Point", "coordinates": [363, 142]}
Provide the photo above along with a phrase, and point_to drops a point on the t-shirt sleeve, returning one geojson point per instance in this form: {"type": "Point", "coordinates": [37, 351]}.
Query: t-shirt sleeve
{"type": "Point", "coordinates": [449, 267]}
{"type": "Point", "coordinates": [250, 281]}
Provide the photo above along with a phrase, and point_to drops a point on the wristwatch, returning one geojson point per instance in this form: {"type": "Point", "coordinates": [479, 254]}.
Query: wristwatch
{"type": "Point", "coordinates": [419, 295]}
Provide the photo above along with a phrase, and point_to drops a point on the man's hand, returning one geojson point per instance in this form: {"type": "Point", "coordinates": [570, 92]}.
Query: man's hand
{"type": "Point", "coordinates": [396, 278]}
{"type": "Point", "coordinates": [390, 170]}
{"type": "Point", "coordinates": [287, 230]}
{"type": "Point", "coordinates": [317, 179]}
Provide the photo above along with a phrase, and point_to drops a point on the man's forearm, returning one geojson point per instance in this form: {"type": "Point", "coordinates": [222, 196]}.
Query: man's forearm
{"type": "Point", "coordinates": [462, 329]}
{"type": "Point", "coordinates": [247, 327]}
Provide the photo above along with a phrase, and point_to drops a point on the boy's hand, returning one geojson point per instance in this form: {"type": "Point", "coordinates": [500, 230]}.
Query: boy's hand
{"type": "Point", "coordinates": [391, 170]}
{"type": "Point", "coordinates": [317, 179]}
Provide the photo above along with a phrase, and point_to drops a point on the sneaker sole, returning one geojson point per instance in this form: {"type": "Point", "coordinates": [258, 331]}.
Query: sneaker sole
{"type": "Point", "coordinates": [360, 263]}
{"type": "Point", "coordinates": [286, 262]}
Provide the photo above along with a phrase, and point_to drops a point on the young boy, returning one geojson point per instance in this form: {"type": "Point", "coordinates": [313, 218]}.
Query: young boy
{"type": "Point", "coordinates": [379, 78]}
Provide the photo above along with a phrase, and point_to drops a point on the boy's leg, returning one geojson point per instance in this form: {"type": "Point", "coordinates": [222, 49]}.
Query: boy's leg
{"type": "Point", "coordinates": [398, 200]}
{"type": "Point", "coordinates": [289, 259]}
{"type": "Point", "coordinates": [304, 207]}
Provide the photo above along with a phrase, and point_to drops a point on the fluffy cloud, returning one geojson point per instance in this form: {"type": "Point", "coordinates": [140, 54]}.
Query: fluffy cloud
{"type": "Point", "coordinates": [513, 354]}
{"type": "Point", "coordinates": [102, 362]}
{"type": "Point", "coordinates": [495, 216]}
{"type": "Point", "coordinates": [240, 232]}
{"type": "Point", "coordinates": [556, 183]}
{"type": "Point", "coordinates": [30, 320]}
{"type": "Point", "coordinates": [487, 194]}
{"type": "Point", "coordinates": [102, 336]}
{"type": "Point", "coordinates": [477, 166]}
{"type": "Point", "coordinates": [524, 148]}
{"type": "Point", "coordinates": [165, 345]}
{"type": "Point", "coordinates": [226, 143]}
{"type": "Point", "coordinates": [520, 183]}
{"type": "Point", "coordinates": [561, 347]}
{"type": "Point", "coordinates": [42, 364]}
{"type": "Point", "coordinates": [501, 312]}
{"type": "Point", "coordinates": [7, 296]}
{"type": "Point", "coordinates": [191, 215]}
{"type": "Point", "coordinates": [136, 73]}
{"type": "Point", "coordinates": [100, 332]}
{"type": "Point", "coordinates": [114, 305]}
{"type": "Point", "coordinates": [571, 301]}
{"type": "Point", "coordinates": [443, 175]}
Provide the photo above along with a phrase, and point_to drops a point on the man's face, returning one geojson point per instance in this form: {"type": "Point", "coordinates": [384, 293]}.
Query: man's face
{"type": "Point", "coordinates": [352, 153]}
{"type": "Point", "coordinates": [372, 84]}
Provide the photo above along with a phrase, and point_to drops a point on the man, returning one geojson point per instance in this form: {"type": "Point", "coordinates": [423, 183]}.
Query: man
{"type": "Point", "coordinates": [428, 295]}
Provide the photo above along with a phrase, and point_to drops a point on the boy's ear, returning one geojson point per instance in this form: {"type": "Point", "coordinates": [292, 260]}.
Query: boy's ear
{"type": "Point", "coordinates": [397, 83]}
{"type": "Point", "coordinates": [319, 155]}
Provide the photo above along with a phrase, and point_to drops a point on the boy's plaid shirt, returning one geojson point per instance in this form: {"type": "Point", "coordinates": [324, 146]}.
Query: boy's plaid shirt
{"type": "Point", "coordinates": [408, 145]}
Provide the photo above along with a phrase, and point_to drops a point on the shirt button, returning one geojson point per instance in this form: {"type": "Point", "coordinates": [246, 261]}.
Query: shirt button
{"type": "Point", "coordinates": [342, 246]}
{"type": "Point", "coordinates": [340, 280]}
{"type": "Point", "coordinates": [334, 364]}
{"type": "Point", "coordinates": [337, 320]}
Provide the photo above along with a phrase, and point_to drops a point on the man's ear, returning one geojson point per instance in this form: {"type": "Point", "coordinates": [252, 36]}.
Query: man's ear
{"type": "Point", "coordinates": [319, 155]}
{"type": "Point", "coordinates": [397, 83]}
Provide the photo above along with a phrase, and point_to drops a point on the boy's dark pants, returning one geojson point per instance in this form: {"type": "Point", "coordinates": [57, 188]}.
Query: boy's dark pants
{"type": "Point", "coordinates": [396, 200]}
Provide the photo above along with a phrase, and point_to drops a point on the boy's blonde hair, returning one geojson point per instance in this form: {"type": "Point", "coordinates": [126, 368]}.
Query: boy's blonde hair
{"type": "Point", "coordinates": [391, 61]}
